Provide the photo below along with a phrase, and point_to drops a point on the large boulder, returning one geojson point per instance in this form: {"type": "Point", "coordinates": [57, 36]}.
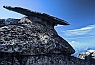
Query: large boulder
{"type": "Point", "coordinates": [32, 36]}
{"type": "Point", "coordinates": [32, 40]}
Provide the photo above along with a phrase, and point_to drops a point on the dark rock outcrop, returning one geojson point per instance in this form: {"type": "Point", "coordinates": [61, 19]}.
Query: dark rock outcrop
{"type": "Point", "coordinates": [32, 40]}
{"type": "Point", "coordinates": [29, 13]}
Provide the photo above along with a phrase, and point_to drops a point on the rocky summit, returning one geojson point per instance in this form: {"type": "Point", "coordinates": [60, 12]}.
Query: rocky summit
{"type": "Point", "coordinates": [32, 36]}
{"type": "Point", "coordinates": [32, 40]}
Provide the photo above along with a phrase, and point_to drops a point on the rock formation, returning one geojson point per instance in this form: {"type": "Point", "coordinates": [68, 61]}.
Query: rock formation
{"type": "Point", "coordinates": [32, 40]}
{"type": "Point", "coordinates": [88, 56]}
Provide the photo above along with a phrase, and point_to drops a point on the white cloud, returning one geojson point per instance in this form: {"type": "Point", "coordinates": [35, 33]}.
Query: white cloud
{"type": "Point", "coordinates": [70, 38]}
{"type": "Point", "coordinates": [73, 42]}
{"type": "Point", "coordinates": [81, 31]}
{"type": "Point", "coordinates": [58, 25]}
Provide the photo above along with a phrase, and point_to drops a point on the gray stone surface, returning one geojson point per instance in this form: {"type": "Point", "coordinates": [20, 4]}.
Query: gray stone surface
{"type": "Point", "coordinates": [31, 36]}
{"type": "Point", "coordinates": [54, 59]}
{"type": "Point", "coordinates": [47, 59]}
{"type": "Point", "coordinates": [29, 13]}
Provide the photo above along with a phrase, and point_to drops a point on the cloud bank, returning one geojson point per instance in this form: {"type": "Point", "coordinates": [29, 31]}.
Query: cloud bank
{"type": "Point", "coordinates": [88, 30]}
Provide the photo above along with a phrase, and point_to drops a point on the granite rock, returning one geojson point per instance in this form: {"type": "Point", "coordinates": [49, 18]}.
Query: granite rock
{"type": "Point", "coordinates": [30, 13]}
{"type": "Point", "coordinates": [32, 36]}
{"type": "Point", "coordinates": [32, 40]}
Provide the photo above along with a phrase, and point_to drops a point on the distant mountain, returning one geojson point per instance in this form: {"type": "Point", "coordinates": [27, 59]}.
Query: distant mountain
{"type": "Point", "coordinates": [81, 50]}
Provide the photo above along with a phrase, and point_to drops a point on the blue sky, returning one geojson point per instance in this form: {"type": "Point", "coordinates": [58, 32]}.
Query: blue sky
{"type": "Point", "coordinates": [79, 13]}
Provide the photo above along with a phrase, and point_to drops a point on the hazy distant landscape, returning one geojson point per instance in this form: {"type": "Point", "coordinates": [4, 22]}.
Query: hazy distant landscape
{"type": "Point", "coordinates": [81, 39]}
{"type": "Point", "coordinates": [82, 49]}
